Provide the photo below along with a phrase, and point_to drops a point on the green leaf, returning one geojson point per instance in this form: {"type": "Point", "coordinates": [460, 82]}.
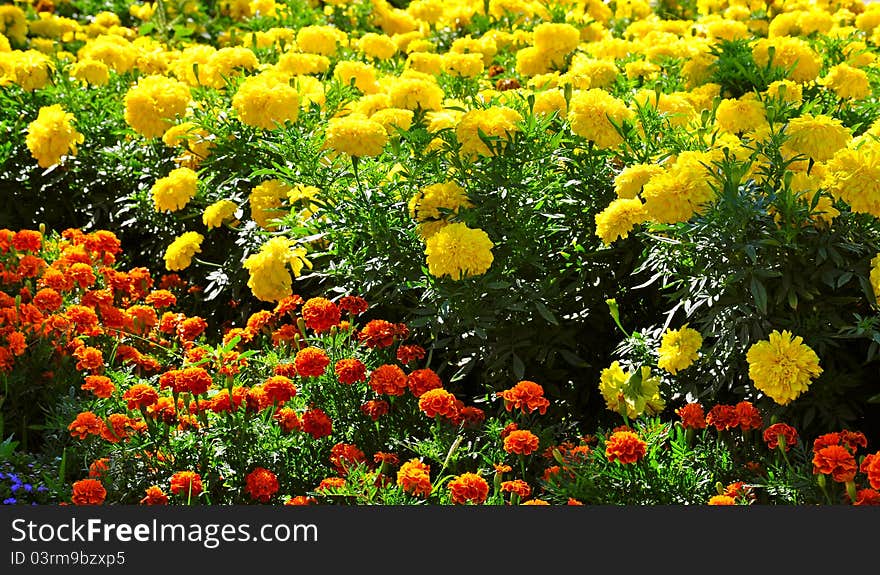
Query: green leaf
{"type": "Point", "coordinates": [546, 313]}
{"type": "Point", "coordinates": [759, 292]}
{"type": "Point", "coordinates": [519, 368]}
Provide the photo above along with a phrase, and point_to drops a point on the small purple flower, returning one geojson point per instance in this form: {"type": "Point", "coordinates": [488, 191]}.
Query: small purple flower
{"type": "Point", "coordinates": [42, 488]}
{"type": "Point", "coordinates": [28, 487]}
{"type": "Point", "coordinates": [9, 501]}
{"type": "Point", "coordinates": [15, 487]}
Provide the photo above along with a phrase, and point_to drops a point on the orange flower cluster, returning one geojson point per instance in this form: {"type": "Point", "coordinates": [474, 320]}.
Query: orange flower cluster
{"type": "Point", "coordinates": [526, 396]}
{"type": "Point", "coordinates": [468, 488]}
{"type": "Point", "coordinates": [692, 416]}
{"type": "Point", "coordinates": [261, 484]}
{"type": "Point", "coordinates": [320, 314]}
{"type": "Point", "coordinates": [438, 403]}
{"type": "Point", "coordinates": [88, 492]}
{"type": "Point", "coordinates": [344, 456]}
{"type": "Point", "coordinates": [423, 380]}
{"type": "Point", "coordinates": [776, 431]}
{"type": "Point", "coordinates": [311, 362]}
{"type": "Point", "coordinates": [186, 484]}
{"type": "Point", "coordinates": [414, 477]}
{"type": "Point", "coordinates": [625, 446]}
{"type": "Point", "coordinates": [834, 454]}
{"type": "Point", "coordinates": [517, 487]}
{"type": "Point", "coordinates": [350, 371]}
{"type": "Point", "coordinates": [379, 333]}
{"type": "Point", "coordinates": [521, 442]}
{"type": "Point", "coordinates": [154, 496]}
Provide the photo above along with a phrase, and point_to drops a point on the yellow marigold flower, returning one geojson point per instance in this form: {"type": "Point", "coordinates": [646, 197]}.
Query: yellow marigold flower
{"type": "Point", "coordinates": [179, 254]}
{"type": "Point", "coordinates": [532, 62]}
{"type": "Point", "coordinates": [740, 116]}
{"type": "Point", "coordinates": [436, 201]}
{"type": "Point", "coordinates": [190, 136]}
{"type": "Point", "coordinates": [458, 251]}
{"type": "Point", "coordinates": [363, 75]}
{"type": "Point", "coordinates": [619, 218]}
{"type": "Point", "coordinates": [175, 190]}
{"type": "Point", "coordinates": [635, 393]}
{"type": "Point", "coordinates": [91, 72]}
{"type": "Point", "coordinates": [269, 276]}
{"type": "Point", "coordinates": [854, 176]}
{"type": "Point", "coordinates": [817, 137]}
{"type": "Point", "coordinates": [52, 135]}
{"type": "Point", "coordinates": [429, 11]}
{"type": "Point", "coordinates": [679, 349]}
{"type": "Point", "coordinates": [678, 192]}
{"type": "Point", "coordinates": [556, 39]}
{"type": "Point", "coordinates": [847, 82]}
{"type": "Point", "coordinates": [218, 212]}
{"type": "Point", "coordinates": [499, 121]}
{"type": "Point", "coordinates": [590, 114]}
{"type": "Point", "coordinates": [13, 23]}
{"type": "Point", "coordinates": [323, 40]}
{"type": "Point", "coordinates": [597, 73]}
{"type": "Point", "coordinates": [113, 50]}
{"type": "Point", "coordinates": [463, 65]}
{"type": "Point", "coordinates": [789, 52]}
{"type": "Point", "coordinates": [228, 62]}
{"type": "Point", "coordinates": [377, 46]}
{"type": "Point", "coordinates": [393, 119]}
{"type": "Point", "coordinates": [875, 277]}
{"type": "Point", "coordinates": [29, 69]}
{"type": "Point", "coordinates": [630, 181]}
{"type": "Point", "coordinates": [152, 105]}
{"type": "Point", "coordinates": [296, 64]}
{"type": "Point", "coordinates": [424, 62]}
{"type": "Point", "coordinates": [786, 90]}
{"type": "Point", "coordinates": [355, 135]}
{"type": "Point", "coordinates": [641, 69]}
{"type": "Point", "coordinates": [549, 101]}
{"type": "Point", "coordinates": [415, 93]}
{"type": "Point", "coordinates": [266, 101]}
{"type": "Point", "coordinates": [782, 366]}
{"type": "Point", "coordinates": [265, 200]}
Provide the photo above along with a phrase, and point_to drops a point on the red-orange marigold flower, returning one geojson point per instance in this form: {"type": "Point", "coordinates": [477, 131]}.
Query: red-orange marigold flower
{"type": "Point", "coordinates": [867, 497]}
{"type": "Point", "coordinates": [287, 419]}
{"type": "Point", "coordinates": [388, 379]}
{"type": "Point", "coordinates": [835, 460]}
{"type": "Point", "coordinates": [721, 500]}
{"type": "Point", "coordinates": [526, 396]}
{"type": "Point", "coordinates": [871, 467]}
{"type": "Point", "coordinates": [154, 496]}
{"type": "Point", "coordinates": [521, 442]}
{"type": "Point", "coordinates": [625, 446]}
{"type": "Point", "coordinates": [287, 305]}
{"type": "Point", "coordinates": [311, 362]}
{"type": "Point", "coordinates": [748, 415]}
{"type": "Point", "coordinates": [261, 484]}
{"type": "Point", "coordinates": [344, 456]}
{"type": "Point", "coordinates": [89, 358]}
{"type": "Point", "coordinates": [190, 328]}
{"type": "Point", "coordinates": [85, 424]}
{"type": "Point", "coordinates": [422, 380]}
{"type": "Point", "coordinates": [27, 241]}
{"type": "Point", "coordinates": [279, 389]}
{"type": "Point", "coordinates": [414, 477]}
{"type": "Point", "coordinates": [100, 385]}
{"type": "Point", "coordinates": [772, 434]}
{"type": "Point", "coordinates": [853, 439]}
{"type": "Point", "coordinates": [330, 483]}
{"type": "Point", "coordinates": [88, 492]}
{"type": "Point", "coordinates": [194, 380]}
{"type": "Point", "coordinates": [161, 298]}
{"type": "Point", "coordinates": [378, 333]}
{"type": "Point", "coordinates": [186, 483]}
{"type": "Point", "coordinates": [468, 488]}
{"type": "Point", "coordinates": [349, 371]}
{"type": "Point", "coordinates": [723, 417]}
{"type": "Point", "coordinates": [517, 486]}
{"type": "Point", "coordinates": [98, 468]}
{"type": "Point", "coordinates": [47, 299]}
{"type": "Point", "coordinates": [438, 402]}
{"type": "Point", "coordinates": [825, 440]}
{"type": "Point", "coordinates": [316, 423]}
{"type": "Point", "coordinates": [301, 500]}
{"type": "Point", "coordinates": [355, 305]}
{"type": "Point", "coordinates": [320, 314]}
{"type": "Point", "coordinates": [407, 354]}
{"type": "Point", "coordinates": [375, 408]}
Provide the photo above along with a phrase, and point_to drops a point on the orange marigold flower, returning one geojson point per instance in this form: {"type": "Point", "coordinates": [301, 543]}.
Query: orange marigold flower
{"type": "Point", "coordinates": [169, 321]}
{"type": "Point", "coordinates": [88, 492]}
{"type": "Point", "coordinates": [853, 440]}
{"type": "Point", "coordinates": [788, 434]}
{"type": "Point", "coordinates": [311, 362]}
{"type": "Point", "coordinates": [118, 428]}
{"type": "Point", "coordinates": [316, 423]}
{"type": "Point", "coordinates": [154, 496]}
{"type": "Point", "coordinates": [163, 410]}
{"type": "Point", "coordinates": [301, 500]}
{"type": "Point", "coordinates": [375, 408]}
{"type": "Point", "coordinates": [723, 417]}
{"type": "Point", "coordinates": [89, 358]}
{"type": "Point", "coordinates": [471, 416]}
{"type": "Point", "coordinates": [407, 354]}
{"type": "Point", "coordinates": [27, 241]}
{"type": "Point", "coordinates": [190, 328]}
{"type": "Point", "coordinates": [508, 429]}
{"type": "Point", "coordinates": [320, 314]}
{"type": "Point", "coordinates": [438, 403]}
{"type": "Point", "coordinates": [468, 488]}
{"type": "Point", "coordinates": [98, 468]}
{"type": "Point", "coordinates": [422, 380]}
{"type": "Point", "coordinates": [186, 484]}
{"type": "Point", "coordinates": [286, 369]}
{"type": "Point", "coordinates": [344, 456]}
{"type": "Point", "coordinates": [256, 399]}
{"type": "Point", "coordinates": [287, 305]}
{"type": "Point", "coordinates": [526, 396]}
{"type": "Point", "coordinates": [625, 446]}
{"type": "Point", "coordinates": [287, 420]}
{"type": "Point", "coordinates": [378, 333]}
{"type": "Point", "coordinates": [330, 484]}
{"type": "Point", "coordinates": [573, 501]}
{"type": "Point", "coordinates": [47, 299]}
{"type": "Point", "coordinates": [258, 321]}
{"type": "Point", "coordinates": [521, 442]}
{"type": "Point", "coordinates": [867, 497]}
{"type": "Point", "coordinates": [871, 467]}
{"type": "Point", "coordinates": [355, 305]}
{"type": "Point", "coordinates": [748, 415]}
{"type": "Point", "coordinates": [825, 440]}
{"type": "Point", "coordinates": [414, 477]}
{"type": "Point", "coordinates": [82, 274]}
{"type": "Point", "coordinates": [388, 379]}
{"type": "Point", "coordinates": [83, 318]}
{"type": "Point", "coordinates": [721, 500]}
{"type": "Point", "coordinates": [279, 389]}
{"type": "Point", "coordinates": [517, 486]}
{"type": "Point", "coordinates": [85, 424]}
{"type": "Point", "coordinates": [223, 402]}
{"type": "Point", "coordinates": [386, 458]}
{"type": "Point", "coordinates": [535, 502]}
{"type": "Point", "coordinates": [17, 343]}
{"type": "Point", "coordinates": [31, 266]}
{"type": "Point", "coordinates": [835, 460]}
{"type": "Point", "coordinates": [161, 298]}
{"type": "Point", "coordinates": [692, 416]}
{"type": "Point", "coordinates": [194, 380]}
{"type": "Point", "coordinates": [143, 318]}
{"type": "Point", "coordinates": [261, 484]}
{"type": "Point", "coordinates": [100, 385]}
{"type": "Point", "coordinates": [351, 370]}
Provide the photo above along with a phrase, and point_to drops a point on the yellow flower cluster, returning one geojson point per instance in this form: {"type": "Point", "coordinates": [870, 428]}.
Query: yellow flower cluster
{"type": "Point", "coordinates": [631, 394]}
{"type": "Point", "coordinates": [52, 135]}
{"type": "Point", "coordinates": [270, 279]}
{"type": "Point", "coordinates": [591, 114]}
{"type": "Point", "coordinates": [458, 251]}
{"type": "Point", "coordinates": [679, 348]}
{"type": "Point", "coordinates": [496, 122]}
{"type": "Point", "coordinates": [153, 104]}
{"type": "Point", "coordinates": [433, 205]}
{"type": "Point", "coordinates": [175, 190]}
{"type": "Point", "coordinates": [266, 101]}
{"type": "Point", "coordinates": [356, 135]}
{"type": "Point", "coordinates": [179, 254]}
{"type": "Point", "coordinates": [219, 212]}
{"type": "Point", "coordinates": [782, 366]}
